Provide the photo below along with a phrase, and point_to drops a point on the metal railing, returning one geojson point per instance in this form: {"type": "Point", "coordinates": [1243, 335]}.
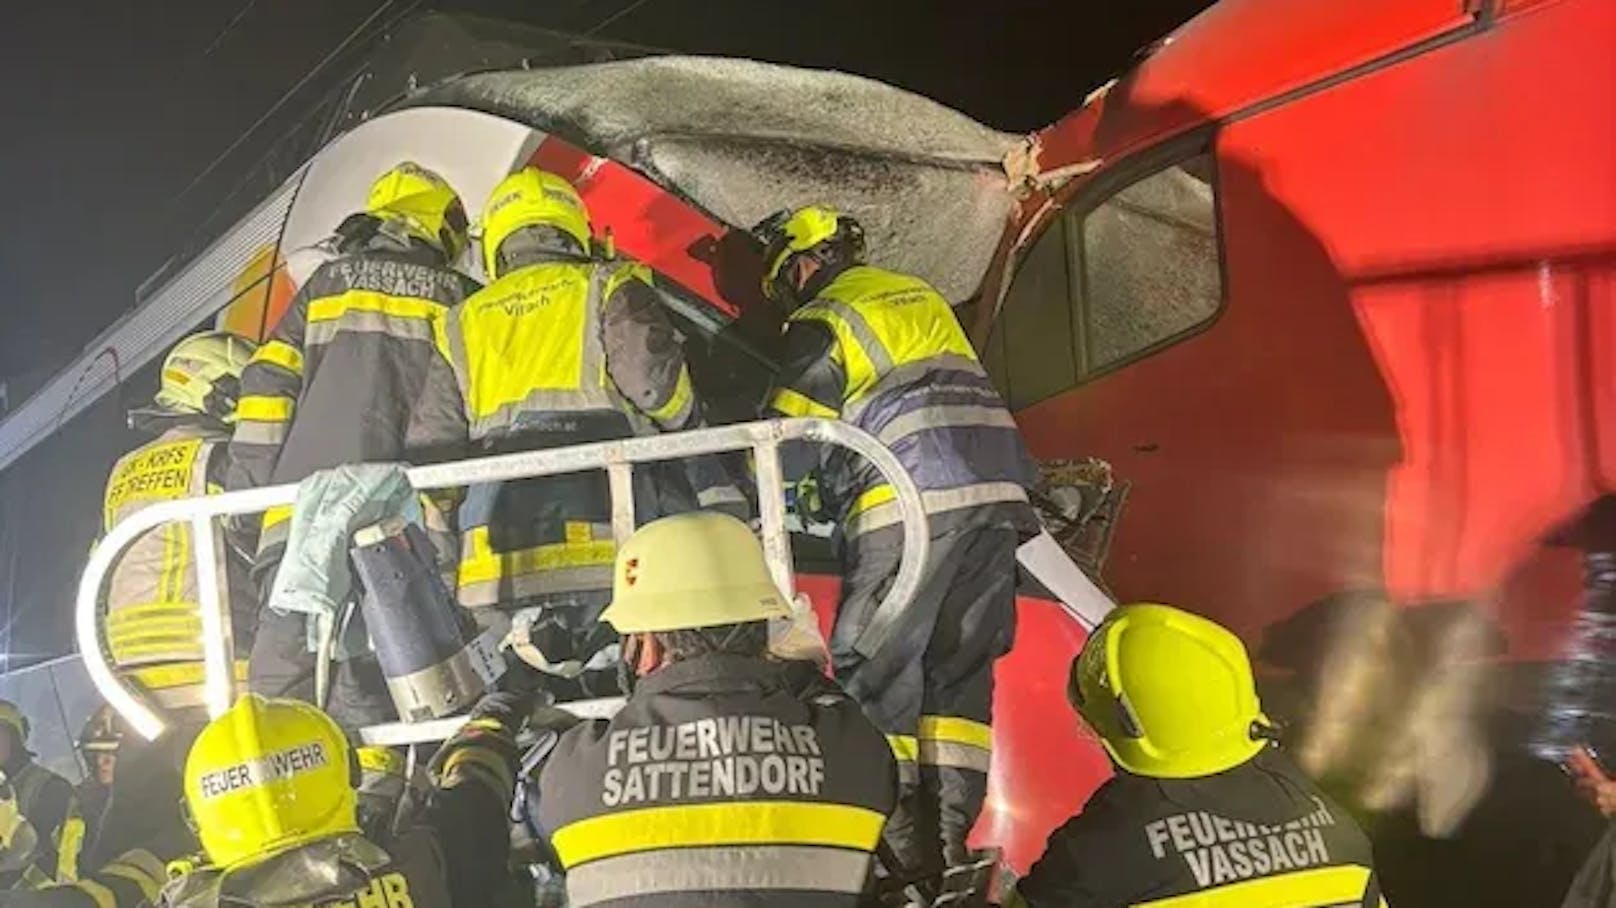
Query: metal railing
{"type": "Point", "coordinates": [617, 458]}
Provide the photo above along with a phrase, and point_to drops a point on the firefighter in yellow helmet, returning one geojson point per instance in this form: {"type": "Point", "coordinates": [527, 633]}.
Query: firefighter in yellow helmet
{"type": "Point", "coordinates": [346, 378]}
{"type": "Point", "coordinates": [562, 348]}
{"type": "Point", "coordinates": [729, 777]}
{"type": "Point", "coordinates": [884, 352]}
{"type": "Point", "coordinates": [45, 801]}
{"type": "Point", "coordinates": [153, 624]}
{"type": "Point", "coordinates": [270, 788]}
{"type": "Point", "coordinates": [1204, 809]}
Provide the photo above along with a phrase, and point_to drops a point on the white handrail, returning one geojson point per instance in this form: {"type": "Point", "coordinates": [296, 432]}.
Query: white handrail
{"type": "Point", "coordinates": [761, 438]}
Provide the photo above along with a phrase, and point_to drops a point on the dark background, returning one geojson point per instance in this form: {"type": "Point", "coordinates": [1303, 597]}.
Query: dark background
{"type": "Point", "coordinates": [110, 110]}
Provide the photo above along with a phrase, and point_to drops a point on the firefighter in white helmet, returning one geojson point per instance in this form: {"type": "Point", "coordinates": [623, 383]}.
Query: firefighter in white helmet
{"type": "Point", "coordinates": [729, 777]}
{"type": "Point", "coordinates": [1204, 808]}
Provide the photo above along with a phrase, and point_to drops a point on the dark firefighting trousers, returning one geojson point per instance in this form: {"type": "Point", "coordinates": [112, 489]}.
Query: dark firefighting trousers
{"type": "Point", "coordinates": [930, 690]}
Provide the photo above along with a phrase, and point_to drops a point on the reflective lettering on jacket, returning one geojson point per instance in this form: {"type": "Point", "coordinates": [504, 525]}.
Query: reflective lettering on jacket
{"type": "Point", "coordinates": [906, 373]}
{"type": "Point", "coordinates": [348, 375]}
{"type": "Point", "coordinates": [346, 871]}
{"type": "Point", "coordinates": [720, 784]}
{"type": "Point", "coordinates": [153, 618]}
{"type": "Point", "coordinates": [390, 890]}
{"type": "Point", "coordinates": [555, 353]}
{"type": "Point", "coordinates": [1137, 843]}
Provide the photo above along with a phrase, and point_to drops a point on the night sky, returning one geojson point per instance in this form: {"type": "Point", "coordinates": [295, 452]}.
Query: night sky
{"type": "Point", "coordinates": [110, 109]}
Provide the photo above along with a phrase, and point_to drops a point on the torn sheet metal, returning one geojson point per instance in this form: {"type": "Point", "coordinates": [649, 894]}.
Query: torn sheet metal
{"type": "Point", "coordinates": [742, 139]}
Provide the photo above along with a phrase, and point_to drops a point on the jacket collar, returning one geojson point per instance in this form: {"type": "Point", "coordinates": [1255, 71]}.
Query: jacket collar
{"type": "Point", "coordinates": [717, 671]}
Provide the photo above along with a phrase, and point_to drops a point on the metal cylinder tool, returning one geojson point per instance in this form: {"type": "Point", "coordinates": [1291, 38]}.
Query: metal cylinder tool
{"type": "Point", "coordinates": [429, 650]}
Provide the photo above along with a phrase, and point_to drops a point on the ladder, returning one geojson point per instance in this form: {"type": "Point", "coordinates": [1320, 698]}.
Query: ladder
{"type": "Point", "coordinates": [762, 439]}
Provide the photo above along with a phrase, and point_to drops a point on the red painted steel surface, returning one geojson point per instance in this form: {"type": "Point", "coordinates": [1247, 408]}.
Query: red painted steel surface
{"type": "Point", "coordinates": [1238, 53]}
{"type": "Point", "coordinates": [647, 223]}
{"type": "Point", "coordinates": [1411, 386]}
{"type": "Point", "coordinates": [1044, 764]}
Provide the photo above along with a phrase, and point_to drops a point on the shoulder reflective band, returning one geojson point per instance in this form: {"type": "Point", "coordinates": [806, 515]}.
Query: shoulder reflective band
{"type": "Point", "coordinates": [282, 354]}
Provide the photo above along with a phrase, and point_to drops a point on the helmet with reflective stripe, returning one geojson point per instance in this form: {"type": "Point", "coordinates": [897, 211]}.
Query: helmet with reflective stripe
{"type": "Point", "coordinates": [423, 203]}
{"type": "Point", "coordinates": [531, 198]}
{"type": "Point", "coordinates": [266, 776]}
{"type": "Point", "coordinates": [789, 233]}
{"type": "Point", "coordinates": [11, 716]}
{"type": "Point", "coordinates": [1170, 694]}
{"type": "Point", "coordinates": [695, 570]}
{"type": "Point", "coordinates": [202, 374]}
{"type": "Point", "coordinates": [102, 732]}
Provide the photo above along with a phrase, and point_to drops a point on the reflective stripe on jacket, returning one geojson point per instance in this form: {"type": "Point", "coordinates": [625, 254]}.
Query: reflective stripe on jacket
{"type": "Point", "coordinates": [725, 780]}
{"type": "Point", "coordinates": [556, 353]}
{"type": "Point", "coordinates": [898, 365]}
{"type": "Point", "coordinates": [46, 801]}
{"type": "Point", "coordinates": [1258, 834]}
{"type": "Point", "coordinates": [132, 880]}
{"type": "Point", "coordinates": [154, 626]}
{"type": "Point", "coordinates": [345, 377]}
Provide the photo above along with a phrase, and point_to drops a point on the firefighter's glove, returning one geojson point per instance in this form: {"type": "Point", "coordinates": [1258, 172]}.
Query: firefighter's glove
{"type": "Point", "coordinates": [508, 707]}
{"type": "Point", "coordinates": [797, 638]}
{"type": "Point", "coordinates": [483, 751]}
{"type": "Point", "coordinates": [808, 502]}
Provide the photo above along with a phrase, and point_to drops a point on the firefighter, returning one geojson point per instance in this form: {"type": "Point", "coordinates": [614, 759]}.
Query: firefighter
{"type": "Point", "coordinates": [270, 786]}
{"type": "Point", "coordinates": [343, 380]}
{"type": "Point", "coordinates": [729, 777]}
{"type": "Point", "coordinates": [1204, 809]}
{"type": "Point", "coordinates": [884, 352]}
{"type": "Point", "coordinates": [45, 800]}
{"type": "Point", "coordinates": [153, 623]}
{"type": "Point", "coordinates": [561, 349]}
{"type": "Point", "coordinates": [98, 745]}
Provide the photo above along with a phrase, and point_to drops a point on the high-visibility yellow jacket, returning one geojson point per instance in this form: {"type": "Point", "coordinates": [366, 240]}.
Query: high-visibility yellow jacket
{"type": "Point", "coordinates": [884, 352]}
{"type": "Point", "coordinates": [564, 351]}
{"type": "Point", "coordinates": [724, 781]}
{"type": "Point", "coordinates": [154, 626]}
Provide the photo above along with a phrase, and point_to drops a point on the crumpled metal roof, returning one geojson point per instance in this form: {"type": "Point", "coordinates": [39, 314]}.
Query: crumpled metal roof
{"type": "Point", "coordinates": [742, 139]}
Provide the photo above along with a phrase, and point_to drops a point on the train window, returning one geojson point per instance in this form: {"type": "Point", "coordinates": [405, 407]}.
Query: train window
{"type": "Point", "coordinates": [1109, 282]}
{"type": "Point", "coordinates": [1150, 263]}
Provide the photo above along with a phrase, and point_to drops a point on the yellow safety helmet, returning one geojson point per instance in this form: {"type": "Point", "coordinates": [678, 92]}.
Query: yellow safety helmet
{"type": "Point", "coordinates": [202, 374]}
{"type": "Point", "coordinates": [12, 716]}
{"type": "Point", "coordinates": [423, 203]}
{"type": "Point", "coordinates": [531, 198]}
{"type": "Point", "coordinates": [1170, 694]}
{"type": "Point", "coordinates": [787, 233]}
{"type": "Point", "coordinates": [694, 570]}
{"type": "Point", "coordinates": [266, 776]}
